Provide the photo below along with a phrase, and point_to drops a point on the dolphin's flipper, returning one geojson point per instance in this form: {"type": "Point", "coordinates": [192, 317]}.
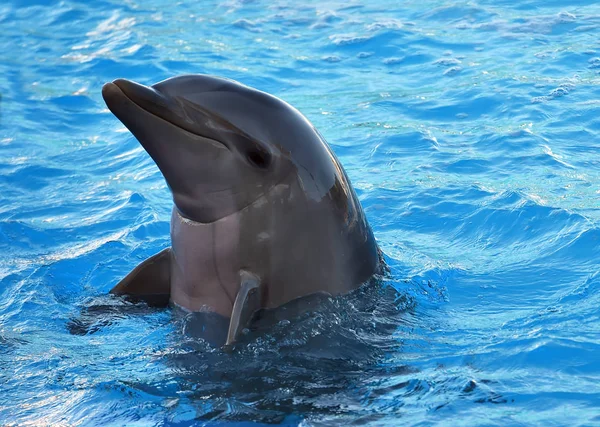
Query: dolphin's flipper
{"type": "Point", "coordinates": [246, 304]}
{"type": "Point", "coordinates": [149, 282]}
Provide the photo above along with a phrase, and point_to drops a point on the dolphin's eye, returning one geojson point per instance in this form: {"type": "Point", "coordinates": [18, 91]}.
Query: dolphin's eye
{"type": "Point", "coordinates": [259, 159]}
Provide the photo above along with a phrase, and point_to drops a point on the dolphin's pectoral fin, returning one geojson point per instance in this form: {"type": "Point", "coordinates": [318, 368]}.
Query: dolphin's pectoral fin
{"type": "Point", "coordinates": [149, 282]}
{"type": "Point", "coordinates": [246, 304]}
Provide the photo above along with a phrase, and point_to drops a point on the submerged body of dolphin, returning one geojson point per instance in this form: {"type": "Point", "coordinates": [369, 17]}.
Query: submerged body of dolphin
{"type": "Point", "coordinates": [263, 210]}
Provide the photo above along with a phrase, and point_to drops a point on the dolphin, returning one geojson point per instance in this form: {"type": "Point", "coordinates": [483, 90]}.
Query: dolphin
{"type": "Point", "coordinates": [263, 213]}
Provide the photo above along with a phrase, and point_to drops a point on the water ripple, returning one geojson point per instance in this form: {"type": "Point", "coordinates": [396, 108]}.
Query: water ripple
{"type": "Point", "coordinates": [469, 132]}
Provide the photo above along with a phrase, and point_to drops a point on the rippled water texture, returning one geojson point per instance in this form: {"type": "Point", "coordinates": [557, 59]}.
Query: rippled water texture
{"type": "Point", "coordinates": [469, 131]}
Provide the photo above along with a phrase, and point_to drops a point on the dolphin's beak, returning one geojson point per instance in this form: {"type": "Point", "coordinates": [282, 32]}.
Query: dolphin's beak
{"type": "Point", "coordinates": [110, 91]}
{"type": "Point", "coordinates": [145, 97]}
{"type": "Point", "coordinates": [141, 95]}
{"type": "Point", "coordinates": [121, 92]}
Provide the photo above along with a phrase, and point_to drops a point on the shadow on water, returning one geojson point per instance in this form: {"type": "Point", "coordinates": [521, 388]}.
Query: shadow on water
{"type": "Point", "coordinates": [352, 358]}
{"type": "Point", "coordinates": [307, 357]}
{"type": "Point", "coordinates": [310, 356]}
{"type": "Point", "coordinates": [102, 311]}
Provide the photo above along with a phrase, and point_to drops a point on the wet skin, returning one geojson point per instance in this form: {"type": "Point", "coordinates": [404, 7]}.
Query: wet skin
{"type": "Point", "coordinates": [256, 190]}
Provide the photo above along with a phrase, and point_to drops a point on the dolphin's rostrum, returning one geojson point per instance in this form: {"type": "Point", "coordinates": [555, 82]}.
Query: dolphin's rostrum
{"type": "Point", "coordinates": [263, 211]}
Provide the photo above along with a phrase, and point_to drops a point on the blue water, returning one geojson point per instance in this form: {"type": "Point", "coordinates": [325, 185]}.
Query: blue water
{"type": "Point", "coordinates": [470, 133]}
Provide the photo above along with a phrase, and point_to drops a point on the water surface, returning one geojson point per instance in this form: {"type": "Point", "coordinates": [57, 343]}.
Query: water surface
{"type": "Point", "coordinates": [469, 131]}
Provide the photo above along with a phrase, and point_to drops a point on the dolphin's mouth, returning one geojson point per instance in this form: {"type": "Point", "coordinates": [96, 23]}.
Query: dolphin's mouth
{"type": "Point", "coordinates": [212, 167]}
{"type": "Point", "coordinates": [159, 105]}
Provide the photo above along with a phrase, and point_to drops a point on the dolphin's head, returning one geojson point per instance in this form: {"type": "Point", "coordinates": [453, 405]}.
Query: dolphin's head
{"type": "Point", "coordinates": [219, 144]}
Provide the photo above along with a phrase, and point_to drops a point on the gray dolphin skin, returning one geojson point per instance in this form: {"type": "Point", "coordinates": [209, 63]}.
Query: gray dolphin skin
{"type": "Point", "coordinates": [263, 211]}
